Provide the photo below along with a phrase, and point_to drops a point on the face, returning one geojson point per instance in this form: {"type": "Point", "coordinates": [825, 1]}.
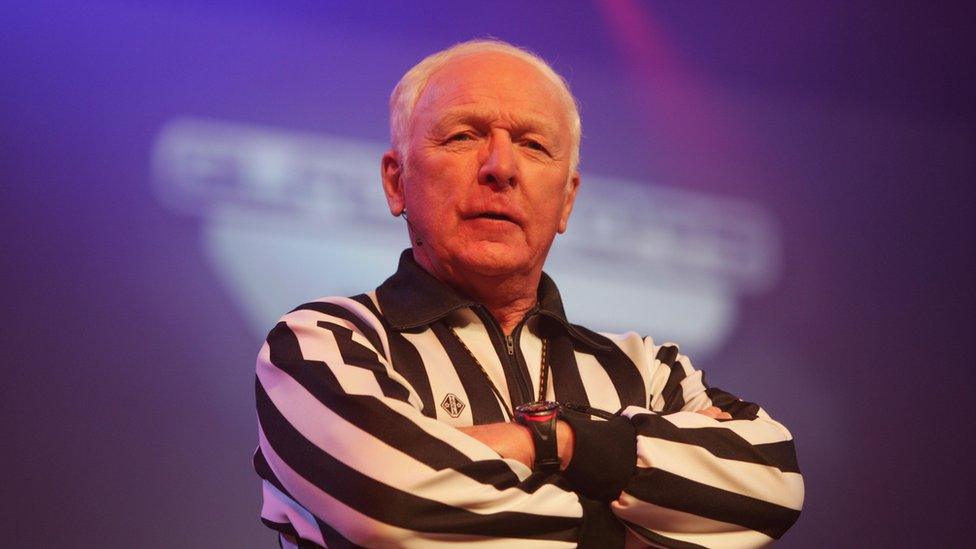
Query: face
{"type": "Point", "coordinates": [487, 180]}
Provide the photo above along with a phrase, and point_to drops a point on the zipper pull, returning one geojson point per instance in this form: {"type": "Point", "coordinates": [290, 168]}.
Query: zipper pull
{"type": "Point", "coordinates": [510, 343]}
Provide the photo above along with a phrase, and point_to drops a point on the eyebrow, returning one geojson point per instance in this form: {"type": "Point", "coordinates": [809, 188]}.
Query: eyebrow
{"type": "Point", "coordinates": [522, 123]}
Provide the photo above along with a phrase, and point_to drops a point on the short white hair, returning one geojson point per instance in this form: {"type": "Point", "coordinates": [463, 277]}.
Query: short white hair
{"type": "Point", "coordinates": [408, 90]}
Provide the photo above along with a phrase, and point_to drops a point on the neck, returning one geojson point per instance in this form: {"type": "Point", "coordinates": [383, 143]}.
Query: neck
{"type": "Point", "coordinates": [508, 300]}
{"type": "Point", "coordinates": [508, 297]}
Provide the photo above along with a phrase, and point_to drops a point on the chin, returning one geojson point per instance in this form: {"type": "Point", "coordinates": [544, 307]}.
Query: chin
{"type": "Point", "coordinates": [495, 258]}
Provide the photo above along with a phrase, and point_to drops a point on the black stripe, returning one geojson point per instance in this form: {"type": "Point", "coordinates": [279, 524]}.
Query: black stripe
{"type": "Point", "coordinates": [303, 543]}
{"type": "Point", "coordinates": [659, 539]}
{"type": "Point", "coordinates": [285, 528]}
{"type": "Point", "coordinates": [720, 442]}
{"type": "Point", "coordinates": [674, 492]}
{"type": "Point", "coordinates": [365, 301]}
{"type": "Point", "coordinates": [566, 380]}
{"type": "Point", "coordinates": [622, 371]}
{"type": "Point", "coordinates": [781, 455]}
{"type": "Point", "coordinates": [485, 407]}
{"type": "Point", "coordinates": [339, 311]}
{"type": "Point", "coordinates": [667, 354]}
{"type": "Point", "coordinates": [601, 528]}
{"type": "Point", "coordinates": [331, 536]}
{"type": "Point", "coordinates": [373, 416]}
{"type": "Point", "coordinates": [405, 359]}
{"type": "Point", "coordinates": [263, 469]}
{"type": "Point", "coordinates": [674, 398]}
{"type": "Point", "coordinates": [391, 505]}
{"type": "Point", "coordinates": [356, 354]}
{"type": "Point", "coordinates": [727, 402]}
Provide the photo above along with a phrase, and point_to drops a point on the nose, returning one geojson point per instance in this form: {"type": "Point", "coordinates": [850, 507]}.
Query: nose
{"type": "Point", "coordinates": [499, 166]}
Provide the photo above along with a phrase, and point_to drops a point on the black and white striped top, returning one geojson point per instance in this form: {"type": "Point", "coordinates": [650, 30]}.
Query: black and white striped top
{"type": "Point", "coordinates": [358, 400]}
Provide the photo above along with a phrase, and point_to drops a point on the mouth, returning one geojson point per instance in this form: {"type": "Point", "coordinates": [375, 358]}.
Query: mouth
{"type": "Point", "coordinates": [497, 216]}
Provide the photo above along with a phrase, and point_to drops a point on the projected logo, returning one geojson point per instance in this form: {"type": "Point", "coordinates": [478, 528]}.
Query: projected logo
{"type": "Point", "coordinates": [287, 217]}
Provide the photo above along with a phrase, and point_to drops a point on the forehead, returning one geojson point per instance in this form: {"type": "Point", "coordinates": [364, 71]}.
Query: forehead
{"type": "Point", "coordinates": [494, 85]}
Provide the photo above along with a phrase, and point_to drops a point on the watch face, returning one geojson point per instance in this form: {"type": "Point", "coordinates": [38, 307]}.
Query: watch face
{"type": "Point", "coordinates": [544, 407]}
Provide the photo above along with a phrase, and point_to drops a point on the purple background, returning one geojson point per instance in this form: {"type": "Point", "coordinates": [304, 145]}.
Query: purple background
{"type": "Point", "coordinates": [128, 368]}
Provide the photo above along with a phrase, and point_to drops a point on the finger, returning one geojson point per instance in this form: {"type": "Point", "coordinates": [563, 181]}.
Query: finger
{"type": "Point", "coordinates": [711, 412]}
{"type": "Point", "coordinates": [715, 413]}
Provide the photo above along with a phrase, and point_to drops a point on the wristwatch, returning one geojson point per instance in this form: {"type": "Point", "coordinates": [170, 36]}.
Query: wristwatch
{"type": "Point", "coordinates": [540, 417]}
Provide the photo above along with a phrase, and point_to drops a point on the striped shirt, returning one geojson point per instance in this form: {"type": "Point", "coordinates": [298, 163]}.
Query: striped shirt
{"type": "Point", "coordinates": [358, 399]}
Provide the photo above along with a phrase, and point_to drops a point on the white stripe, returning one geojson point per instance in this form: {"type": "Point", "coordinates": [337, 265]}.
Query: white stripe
{"type": "Point", "coordinates": [762, 482]}
{"type": "Point", "coordinates": [693, 390]}
{"type": "Point", "coordinates": [597, 383]}
{"type": "Point", "coordinates": [686, 526]}
{"type": "Point", "coordinates": [755, 431]}
{"type": "Point", "coordinates": [636, 348]}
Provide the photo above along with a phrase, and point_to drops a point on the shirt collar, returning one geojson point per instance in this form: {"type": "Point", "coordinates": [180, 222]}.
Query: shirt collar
{"type": "Point", "coordinates": [412, 298]}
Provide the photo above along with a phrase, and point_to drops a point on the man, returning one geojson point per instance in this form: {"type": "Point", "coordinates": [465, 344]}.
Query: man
{"type": "Point", "coordinates": [420, 414]}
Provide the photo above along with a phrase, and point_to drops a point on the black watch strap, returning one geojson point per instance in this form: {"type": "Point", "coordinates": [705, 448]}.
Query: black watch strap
{"type": "Point", "coordinates": [540, 418]}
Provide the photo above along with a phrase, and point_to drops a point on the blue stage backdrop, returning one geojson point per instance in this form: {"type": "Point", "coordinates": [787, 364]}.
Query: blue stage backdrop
{"type": "Point", "coordinates": [784, 189]}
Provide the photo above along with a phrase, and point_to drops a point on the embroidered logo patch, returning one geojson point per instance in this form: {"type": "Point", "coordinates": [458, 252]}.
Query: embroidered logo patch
{"type": "Point", "coordinates": [452, 404]}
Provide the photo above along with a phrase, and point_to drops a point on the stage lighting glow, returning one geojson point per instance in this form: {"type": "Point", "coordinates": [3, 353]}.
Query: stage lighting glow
{"type": "Point", "coordinates": [288, 216]}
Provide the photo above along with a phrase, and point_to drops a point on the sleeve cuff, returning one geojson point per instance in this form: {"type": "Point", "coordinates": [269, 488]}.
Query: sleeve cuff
{"type": "Point", "coordinates": [600, 528]}
{"type": "Point", "coordinates": [604, 456]}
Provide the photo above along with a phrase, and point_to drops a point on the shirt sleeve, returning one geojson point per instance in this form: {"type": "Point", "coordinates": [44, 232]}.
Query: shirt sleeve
{"type": "Point", "coordinates": [348, 458]}
{"type": "Point", "coordinates": [698, 481]}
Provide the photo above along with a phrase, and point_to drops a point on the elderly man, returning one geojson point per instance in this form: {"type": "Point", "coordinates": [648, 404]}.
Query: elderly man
{"type": "Point", "coordinates": [457, 404]}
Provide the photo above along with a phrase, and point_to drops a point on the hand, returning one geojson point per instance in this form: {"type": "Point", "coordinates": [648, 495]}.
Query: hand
{"type": "Point", "coordinates": [714, 412]}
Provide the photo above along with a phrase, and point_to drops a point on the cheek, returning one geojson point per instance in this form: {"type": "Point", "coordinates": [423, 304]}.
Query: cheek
{"type": "Point", "coordinates": [431, 194]}
{"type": "Point", "coordinates": [444, 178]}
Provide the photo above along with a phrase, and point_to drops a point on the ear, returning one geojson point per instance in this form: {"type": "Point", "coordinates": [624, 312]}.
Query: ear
{"type": "Point", "coordinates": [571, 187]}
{"type": "Point", "coordinates": [391, 170]}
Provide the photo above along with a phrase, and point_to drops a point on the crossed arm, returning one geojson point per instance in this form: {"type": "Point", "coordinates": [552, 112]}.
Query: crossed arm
{"type": "Point", "coordinates": [513, 441]}
{"type": "Point", "coordinates": [348, 457]}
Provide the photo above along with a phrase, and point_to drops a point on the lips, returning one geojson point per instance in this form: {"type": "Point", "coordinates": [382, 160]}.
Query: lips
{"type": "Point", "coordinates": [496, 216]}
{"type": "Point", "coordinates": [489, 215]}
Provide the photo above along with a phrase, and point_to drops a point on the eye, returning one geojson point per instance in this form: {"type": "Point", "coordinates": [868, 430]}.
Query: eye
{"type": "Point", "coordinates": [536, 146]}
{"type": "Point", "coordinates": [462, 136]}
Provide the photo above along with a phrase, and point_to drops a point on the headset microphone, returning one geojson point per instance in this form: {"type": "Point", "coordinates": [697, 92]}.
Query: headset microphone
{"type": "Point", "coordinates": [413, 229]}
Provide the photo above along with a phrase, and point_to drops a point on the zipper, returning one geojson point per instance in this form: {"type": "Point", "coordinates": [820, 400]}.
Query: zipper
{"type": "Point", "coordinates": [510, 360]}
